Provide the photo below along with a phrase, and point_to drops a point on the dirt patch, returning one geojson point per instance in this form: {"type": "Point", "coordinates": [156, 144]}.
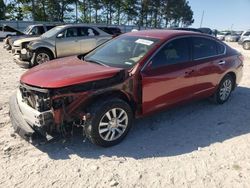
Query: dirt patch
{"type": "Point", "coordinates": [196, 145]}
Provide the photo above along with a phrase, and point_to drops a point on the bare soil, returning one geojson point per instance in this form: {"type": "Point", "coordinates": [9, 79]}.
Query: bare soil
{"type": "Point", "coordinates": [196, 145]}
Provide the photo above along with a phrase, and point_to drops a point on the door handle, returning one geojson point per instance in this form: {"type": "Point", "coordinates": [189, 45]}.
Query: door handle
{"type": "Point", "coordinates": [222, 62]}
{"type": "Point", "coordinates": [189, 72]}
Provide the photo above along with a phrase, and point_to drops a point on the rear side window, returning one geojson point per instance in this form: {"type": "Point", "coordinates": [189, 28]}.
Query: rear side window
{"type": "Point", "coordinates": [40, 30]}
{"type": "Point", "coordinates": [174, 52]}
{"type": "Point", "coordinates": [203, 47]}
{"type": "Point", "coordinates": [87, 31]}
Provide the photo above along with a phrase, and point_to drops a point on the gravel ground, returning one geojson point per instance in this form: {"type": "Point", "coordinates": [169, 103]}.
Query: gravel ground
{"type": "Point", "coordinates": [196, 145]}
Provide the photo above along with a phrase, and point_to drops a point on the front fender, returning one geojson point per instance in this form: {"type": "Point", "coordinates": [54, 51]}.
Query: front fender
{"type": "Point", "coordinates": [33, 46]}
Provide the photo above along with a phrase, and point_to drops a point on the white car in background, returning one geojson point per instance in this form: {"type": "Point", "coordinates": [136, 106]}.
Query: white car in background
{"type": "Point", "coordinates": [4, 34]}
{"type": "Point", "coordinates": [221, 35]}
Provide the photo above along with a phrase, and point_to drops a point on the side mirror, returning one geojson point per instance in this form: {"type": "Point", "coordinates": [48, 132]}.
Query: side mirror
{"type": "Point", "coordinates": [60, 35]}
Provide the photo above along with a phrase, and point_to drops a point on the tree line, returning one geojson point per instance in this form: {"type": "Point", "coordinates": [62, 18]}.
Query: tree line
{"type": "Point", "coordinates": [144, 13]}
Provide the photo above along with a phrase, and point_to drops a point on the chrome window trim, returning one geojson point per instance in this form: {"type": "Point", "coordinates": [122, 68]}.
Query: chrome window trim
{"type": "Point", "coordinates": [180, 37]}
{"type": "Point", "coordinates": [163, 45]}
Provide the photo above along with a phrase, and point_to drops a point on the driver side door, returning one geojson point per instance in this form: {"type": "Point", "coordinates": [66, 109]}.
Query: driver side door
{"type": "Point", "coordinates": [69, 43]}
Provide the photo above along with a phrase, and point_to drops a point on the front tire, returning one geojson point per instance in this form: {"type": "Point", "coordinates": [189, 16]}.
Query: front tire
{"type": "Point", "coordinates": [224, 90]}
{"type": "Point", "coordinates": [41, 56]}
{"type": "Point", "coordinates": [109, 123]}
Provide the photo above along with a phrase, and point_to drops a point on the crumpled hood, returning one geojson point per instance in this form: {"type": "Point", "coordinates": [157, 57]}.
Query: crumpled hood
{"type": "Point", "coordinates": [18, 42]}
{"type": "Point", "coordinates": [66, 72]}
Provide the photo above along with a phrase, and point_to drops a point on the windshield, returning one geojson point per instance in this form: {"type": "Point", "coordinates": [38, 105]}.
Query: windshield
{"type": "Point", "coordinates": [52, 32]}
{"type": "Point", "coordinates": [122, 52]}
{"type": "Point", "coordinates": [27, 30]}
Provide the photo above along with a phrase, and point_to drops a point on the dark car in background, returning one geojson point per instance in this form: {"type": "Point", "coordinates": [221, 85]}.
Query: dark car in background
{"type": "Point", "coordinates": [131, 76]}
{"type": "Point", "coordinates": [206, 30]}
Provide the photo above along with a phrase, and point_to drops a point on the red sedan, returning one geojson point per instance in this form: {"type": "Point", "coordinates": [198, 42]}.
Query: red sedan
{"type": "Point", "coordinates": [131, 76]}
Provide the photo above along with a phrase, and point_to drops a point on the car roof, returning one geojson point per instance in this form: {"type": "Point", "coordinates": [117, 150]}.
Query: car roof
{"type": "Point", "coordinates": [79, 25]}
{"type": "Point", "coordinates": [163, 34]}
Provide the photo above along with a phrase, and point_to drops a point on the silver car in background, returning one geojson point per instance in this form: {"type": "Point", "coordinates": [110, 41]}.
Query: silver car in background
{"type": "Point", "coordinates": [62, 41]}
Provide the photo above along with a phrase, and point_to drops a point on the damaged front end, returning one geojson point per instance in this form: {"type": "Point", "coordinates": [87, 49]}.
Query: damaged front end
{"type": "Point", "coordinates": [52, 111]}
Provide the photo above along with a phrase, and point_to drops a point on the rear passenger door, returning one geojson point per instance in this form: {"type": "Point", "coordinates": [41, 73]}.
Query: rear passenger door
{"type": "Point", "coordinates": [209, 57]}
{"type": "Point", "coordinates": [87, 39]}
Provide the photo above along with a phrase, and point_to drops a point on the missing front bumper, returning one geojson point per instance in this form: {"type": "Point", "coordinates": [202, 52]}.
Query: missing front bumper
{"type": "Point", "coordinates": [26, 121]}
{"type": "Point", "coordinates": [19, 125]}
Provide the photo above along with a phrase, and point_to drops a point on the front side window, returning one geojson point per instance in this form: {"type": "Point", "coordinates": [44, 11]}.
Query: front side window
{"type": "Point", "coordinates": [34, 31]}
{"type": "Point", "coordinates": [174, 52]}
{"type": "Point", "coordinates": [71, 32]}
{"type": "Point", "coordinates": [38, 30]}
{"type": "Point", "coordinates": [122, 52]}
{"type": "Point", "coordinates": [203, 48]}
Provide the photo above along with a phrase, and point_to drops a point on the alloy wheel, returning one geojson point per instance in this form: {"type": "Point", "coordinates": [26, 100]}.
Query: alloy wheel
{"type": "Point", "coordinates": [113, 124]}
{"type": "Point", "coordinates": [42, 58]}
{"type": "Point", "coordinates": [225, 89]}
{"type": "Point", "coordinates": [246, 45]}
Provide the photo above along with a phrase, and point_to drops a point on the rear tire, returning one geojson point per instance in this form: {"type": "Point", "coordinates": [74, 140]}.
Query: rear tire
{"type": "Point", "coordinates": [224, 90]}
{"type": "Point", "coordinates": [106, 129]}
{"type": "Point", "coordinates": [246, 45]}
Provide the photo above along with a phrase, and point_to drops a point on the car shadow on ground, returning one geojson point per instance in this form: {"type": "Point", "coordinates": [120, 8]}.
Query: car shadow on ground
{"type": "Point", "coordinates": [169, 133]}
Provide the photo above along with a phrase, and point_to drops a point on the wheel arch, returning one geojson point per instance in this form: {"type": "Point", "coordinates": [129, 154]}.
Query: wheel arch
{"type": "Point", "coordinates": [114, 94]}
{"type": "Point", "coordinates": [47, 49]}
{"type": "Point", "coordinates": [233, 75]}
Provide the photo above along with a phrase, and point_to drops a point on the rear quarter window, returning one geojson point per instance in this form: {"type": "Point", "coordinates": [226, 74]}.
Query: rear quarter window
{"type": "Point", "coordinates": [221, 48]}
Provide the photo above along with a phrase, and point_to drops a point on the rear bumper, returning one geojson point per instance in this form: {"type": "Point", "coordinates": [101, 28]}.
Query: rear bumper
{"type": "Point", "coordinates": [26, 120]}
